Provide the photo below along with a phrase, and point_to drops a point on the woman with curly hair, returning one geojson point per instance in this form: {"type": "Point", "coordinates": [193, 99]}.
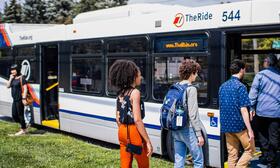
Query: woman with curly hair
{"type": "Point", "coordinates": [133, 137]}
{"type": "Point", "coordinates": [191, 136]}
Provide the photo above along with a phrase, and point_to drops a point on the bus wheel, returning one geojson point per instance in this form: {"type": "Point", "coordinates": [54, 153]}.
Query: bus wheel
{"type": "Point", "coordinates": [170, 146]}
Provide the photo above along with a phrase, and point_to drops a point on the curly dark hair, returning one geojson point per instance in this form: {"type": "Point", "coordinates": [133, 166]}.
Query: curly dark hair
{"type": "Point", "coordinates": [236, 66]}
{"type": "Point", "coordinates": [187, 67]}
{"type": "Point", "coordinates": [122, 74]}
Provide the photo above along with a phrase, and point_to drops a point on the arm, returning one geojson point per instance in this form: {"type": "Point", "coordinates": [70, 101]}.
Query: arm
{"type": "Point", "coordinates": [244, 103]}
{"type": "Point", "coordinates": [246, 119]}
{"type": "Point", "coordinates": [117, 113]}
{"type": "Point", "coordinates": [24, 94]}
{"type": "Point", "coordinates": [135, 97]}
{"type": "Point", "coordinates": [194, 115]}
{"type": "Point", "coordinates": [24, 91]}
{"type": "Point", "coordinates": [10, 81]}
{"type": "Point", "coordinates": [118, 118]}
{"type": "Point", "coordinates": [193, 111]}
{"type": "Point", "coordinates": [254, 92]}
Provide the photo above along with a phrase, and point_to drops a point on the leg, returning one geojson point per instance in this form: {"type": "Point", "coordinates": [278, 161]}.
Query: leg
{"type": "Point", "coordinates": [142, 160]}
{"type": "Point", "coordinates": [125, 157]}
{"type": "Point", "coordinates": [14, 112]}
{"type": "Point", "coordinates": [233, 149]}
{"type": "Point", "coordinates": [196, 151]}
{"type": "Point", "coordinates": [136, 139]}
{"type": "Point", "coordinates": [180, 154]}
{"type": "Point", "coordinates": [273, 141]}
{"type": "Point", "coordinates": [263, 136]}
{"type": "Point", "coordinates": [249, 148]}
{"type": "Point", "coordinates": [20, 109]}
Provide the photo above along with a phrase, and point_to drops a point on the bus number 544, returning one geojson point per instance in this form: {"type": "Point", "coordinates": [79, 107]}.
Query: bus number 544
{"type": "Point", "coordinates": [232, 15]}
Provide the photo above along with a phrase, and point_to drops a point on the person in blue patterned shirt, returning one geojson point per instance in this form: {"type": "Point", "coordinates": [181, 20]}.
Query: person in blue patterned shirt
{"type": "Point", "coordinates": [234, 117]}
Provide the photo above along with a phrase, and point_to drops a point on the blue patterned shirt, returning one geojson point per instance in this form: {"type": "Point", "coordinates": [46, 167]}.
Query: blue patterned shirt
{"type": "Point", "coordinates": [233, 96]}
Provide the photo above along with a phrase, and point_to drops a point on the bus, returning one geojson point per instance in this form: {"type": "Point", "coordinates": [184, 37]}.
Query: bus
{"type": "Point", "coordinates": [67, 65]}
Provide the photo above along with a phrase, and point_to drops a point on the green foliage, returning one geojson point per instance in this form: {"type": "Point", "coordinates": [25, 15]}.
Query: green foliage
{"type": "Point", "coordinates": [40, 149]}
{"type": "Point", "coordinates": [52, 11]}
{"type": "Point", "coordinates": [12, 12]}
{"type": "Point", "coordinates": [59, 11]}
{"type": "Point", "coordinates": [34, 11]}
{"type": "Point", "coordinates": [91, 5]}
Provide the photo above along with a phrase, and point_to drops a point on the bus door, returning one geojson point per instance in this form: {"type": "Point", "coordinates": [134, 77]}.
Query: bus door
{"type": "Point", "coordinates": [251, 47]}
{"type": "Point", "coordinates": [49, 86]}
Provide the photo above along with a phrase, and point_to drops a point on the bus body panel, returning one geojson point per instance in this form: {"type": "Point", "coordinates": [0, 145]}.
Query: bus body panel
{"type": "Point", "coordinates": [5, 99]}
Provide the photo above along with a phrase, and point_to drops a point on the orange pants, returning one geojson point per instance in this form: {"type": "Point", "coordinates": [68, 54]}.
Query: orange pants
{"type": "Point", "coordinates": [135, 139]}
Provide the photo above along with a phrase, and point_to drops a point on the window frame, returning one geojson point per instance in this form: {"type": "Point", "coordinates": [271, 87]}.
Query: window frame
{"type": "Point", "coordinates": [11, 53]}
{"type": "Point", "coordinates": [28, 57]}
{"type": "Point", "coordinates": [88, 56]}
{"type": "Point", "coordinates": [127, 38]}
{"type": "Point", "coordinates": [7, 58]}
{"type": "Point", "coordinates": [184, 54]}
{"type": "Point", "coordinates": [125, 56]}
{"type": "Point", "coordinates": [100, 92]}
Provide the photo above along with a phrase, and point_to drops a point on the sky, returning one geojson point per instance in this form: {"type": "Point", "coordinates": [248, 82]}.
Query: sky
{"type": "Point", "coordinates": [179, 2]}
{"type": "Point", "coordinates": [183, 2]}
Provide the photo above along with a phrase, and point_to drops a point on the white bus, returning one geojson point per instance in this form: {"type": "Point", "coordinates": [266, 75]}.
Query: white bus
{"type": "Point", "coordinates": [67, 65]}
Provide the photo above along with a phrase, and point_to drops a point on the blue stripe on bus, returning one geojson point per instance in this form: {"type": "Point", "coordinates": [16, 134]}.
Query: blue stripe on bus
{"type": "Point", "coordinates": [87, 115]}
{"type": "Point", "coordinates": [157, 127]}
{"type": "Point", "coordinates": [215, 137]}
{"type": "Point", "coordinates": [104, 118]}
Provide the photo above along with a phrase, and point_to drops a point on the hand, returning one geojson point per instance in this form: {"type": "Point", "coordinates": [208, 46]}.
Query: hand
{"type": "Point", "coordinates": [251, 135]}
{"type": "Point", "coordinates": [12, 76]}
{"type": "Point", "coordinates": [252, 114]}
{"type": "Point", "coordinates": [200, 141]}
{"type": "Point", "coordinates": [150, 149]}
{"type": "Point", "coordinates": [24, 102]}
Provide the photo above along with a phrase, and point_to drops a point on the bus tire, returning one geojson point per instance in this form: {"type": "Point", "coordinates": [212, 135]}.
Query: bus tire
{"type": "Point", "coordinates": [170, 146]}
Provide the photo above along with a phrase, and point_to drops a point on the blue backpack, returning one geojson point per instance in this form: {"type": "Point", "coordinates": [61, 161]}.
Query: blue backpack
{"type": "Point", "coordinates": [173, 114]}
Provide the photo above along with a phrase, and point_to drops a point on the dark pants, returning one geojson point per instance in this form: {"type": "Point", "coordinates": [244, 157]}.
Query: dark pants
{"type": "Point", "coordinates": [268, 134]}
{"type": "Point", "coordinates": [18, 113]}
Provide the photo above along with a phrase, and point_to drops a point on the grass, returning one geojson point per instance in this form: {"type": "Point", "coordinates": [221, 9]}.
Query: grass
{"type": "Point", "coordinates": [42, 149]}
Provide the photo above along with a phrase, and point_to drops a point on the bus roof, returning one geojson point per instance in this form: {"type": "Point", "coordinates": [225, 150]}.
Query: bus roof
{"type": "Point", "coordinates": [146, 18]}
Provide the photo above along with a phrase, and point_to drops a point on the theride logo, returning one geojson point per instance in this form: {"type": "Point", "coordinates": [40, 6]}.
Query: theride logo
{"type": "Point", "coordinates": [179, 20]}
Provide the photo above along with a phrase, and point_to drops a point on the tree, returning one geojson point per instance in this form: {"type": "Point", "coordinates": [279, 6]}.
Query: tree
{"type": "Point", "coordinates": [91, 5]}
{"type": "Point", "coordinates": [34, 11]}
{"type": "Point", "coordinates": [59, 11]}
{"type": "Point", "coordinates": [12, 12]}
{"type": "Point", "coordinates": [85, 6]}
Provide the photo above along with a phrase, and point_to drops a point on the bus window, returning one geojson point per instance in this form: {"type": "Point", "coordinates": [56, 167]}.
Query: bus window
{"type": "Point", "coordinates": [91, 47]}
{"type": "Point", "coordinates": [27, 63]}
{"type": "Point", "coordinates": [138, 44]}
{"type": "Point", "coordinates": [260, 43]}
{"type": "Point", "coordinates": [166, 73]}
{"type": "Point", "coordinates": [253, 51]}
{"type": "Point", "coordinates": [87, 75]}
{"type": "Point", "coordinates": [5, 52]}
{"type": "Point", "coordinates": [25, 57]}
{"type": "Point", "coordinates": [25, 51]}
{"type": "Point", "coordinates": [254, 64]}
{"type": "Point", "coordinates": [6, 60]}
{"type": "Point", "coordinates": [5, 68]}
{"type": "Point", "coordinates": [141, 63]}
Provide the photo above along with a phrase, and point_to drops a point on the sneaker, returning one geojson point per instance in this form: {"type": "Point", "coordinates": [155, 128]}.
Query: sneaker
{"type": "Point", "coordinates": [28, 126]}
{"type": "Point", "coordinates": [21, 132]}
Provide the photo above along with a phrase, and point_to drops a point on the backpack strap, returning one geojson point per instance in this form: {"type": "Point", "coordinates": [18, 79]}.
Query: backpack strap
{"type": "Point", "coordinates": [182, 89]}
{"type": "Point", "coordinates": [185, 99]}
